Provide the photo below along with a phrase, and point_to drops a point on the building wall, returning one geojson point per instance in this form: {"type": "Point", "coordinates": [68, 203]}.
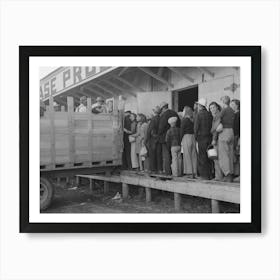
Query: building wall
{"type": "Point", "coordinates": [211, 88]}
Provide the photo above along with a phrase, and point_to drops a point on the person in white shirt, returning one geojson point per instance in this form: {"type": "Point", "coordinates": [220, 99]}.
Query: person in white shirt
{"type": "Point", "coordinates": [82, 108]}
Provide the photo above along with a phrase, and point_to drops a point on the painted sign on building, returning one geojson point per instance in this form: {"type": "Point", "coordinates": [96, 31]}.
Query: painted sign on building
{"type": "Point", "coordinates": [66, 77]}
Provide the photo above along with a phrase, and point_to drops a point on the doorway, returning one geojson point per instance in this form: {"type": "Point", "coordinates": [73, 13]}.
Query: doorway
{"type": "Point", "coordinates": [185, 97]}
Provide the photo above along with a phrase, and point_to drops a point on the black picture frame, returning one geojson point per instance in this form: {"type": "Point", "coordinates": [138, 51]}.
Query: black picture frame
{"type": "Point", "coordinates": [254, 52]}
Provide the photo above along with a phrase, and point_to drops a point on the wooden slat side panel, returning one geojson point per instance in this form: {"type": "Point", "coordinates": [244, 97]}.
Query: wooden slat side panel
{"type": "Point", "coordinates": [79, 137]}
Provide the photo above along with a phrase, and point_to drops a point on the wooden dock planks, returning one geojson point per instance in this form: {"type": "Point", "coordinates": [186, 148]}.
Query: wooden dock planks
{"type": "Point", "coordinates": [213, 190]}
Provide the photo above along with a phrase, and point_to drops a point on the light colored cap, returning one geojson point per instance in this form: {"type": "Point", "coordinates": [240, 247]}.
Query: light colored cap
{"type": "Point", "coordinates": [162, 104]}
{"type": "Point", "coordinates": [156, 110]}
{"type": "Point", "coordinates": [83, 98]}
{"type": "Point", "coordinates": [172, 120]}
{"type": "Point", "coordinates": [202, 102]}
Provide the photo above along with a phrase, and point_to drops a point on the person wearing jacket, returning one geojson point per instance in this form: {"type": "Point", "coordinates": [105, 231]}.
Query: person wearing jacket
{"type": "Point", "coordinates": [188, 143]}
{"type": "Point", "coordinates": [235, 105]}
{"type": "Point", "coordinates": [226, 140]}
{"type": "Point", "coordinates": [202, 133]}
{"type": "Point", "coordinates": [173, 141]}
{"type": "Point", "coordinates": [152, 142]}
{"type": "Point", "coordinates": [215, 110]}
{"type": "Point", "coordinates": [166, 113]}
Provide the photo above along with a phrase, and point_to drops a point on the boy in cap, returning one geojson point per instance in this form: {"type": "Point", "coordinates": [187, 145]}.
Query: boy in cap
{"type": "Point", "coordinates": [163, 126]}
{"type": "Point", "coordinates": [172, 140]}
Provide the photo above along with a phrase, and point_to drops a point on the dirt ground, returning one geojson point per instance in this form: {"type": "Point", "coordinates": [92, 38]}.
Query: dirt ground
{"type": "Point", "coordinates": [70, 198]}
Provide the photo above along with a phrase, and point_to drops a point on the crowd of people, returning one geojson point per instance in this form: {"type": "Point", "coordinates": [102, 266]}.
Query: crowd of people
{"type": "Point", "coordinates": [174, 143]}
{"type": "Point", "coordinates": [98, 107]}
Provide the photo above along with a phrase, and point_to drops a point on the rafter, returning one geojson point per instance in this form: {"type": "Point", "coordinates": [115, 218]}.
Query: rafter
{"type": "Point", "coordinates": [105, 89]}
{"type": "Point", "coordinates": [95, 91]}
{"type": "Point", "coordinates": [127, 83]}
{"type": "Point", "coordinates": [122, 71]}
{"type": "Point", "coordinates": [160, 70]}
{"type": "Point", "coordinates": [180, 73]}
{"type": "Point", "coordinates": [206, 70]}
{"type": "Point", "coordinates": [121, 89]}
{"type": "Point", "coordinates": [155, 76]}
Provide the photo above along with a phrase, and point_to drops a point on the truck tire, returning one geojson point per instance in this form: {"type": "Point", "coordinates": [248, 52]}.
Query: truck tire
{"type": "Point", "coordinates": [46, 193]}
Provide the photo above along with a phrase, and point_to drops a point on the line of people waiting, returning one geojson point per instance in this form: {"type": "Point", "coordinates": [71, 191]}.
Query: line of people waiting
{"type": "Point", "coordinates": [178, 143]}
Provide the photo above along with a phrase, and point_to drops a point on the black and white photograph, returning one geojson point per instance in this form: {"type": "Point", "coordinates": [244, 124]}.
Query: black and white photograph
{"type": "Point", "coordinates": [146, 139]}
{"type": "Point", "coordinates": [140, 139]}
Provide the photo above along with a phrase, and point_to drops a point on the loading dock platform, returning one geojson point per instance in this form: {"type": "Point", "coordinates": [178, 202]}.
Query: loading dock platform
{"type": "Point", "coordinates": [213, 190]}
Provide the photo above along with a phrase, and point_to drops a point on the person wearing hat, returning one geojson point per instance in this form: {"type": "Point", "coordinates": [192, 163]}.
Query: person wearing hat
{"type": "Point", "coordinates": [99, 106]}
{"type": "Point", "coordinates": [163, 126]}
{"type": "Point", "coordinates": [226, 140]}
{"type": "Point", "coordinates": [152, 142]}
{"type": "Point", "coordinates": [173, 141]}
{"type": "Point", "coordinates": [202, 134]}
{"type": "Point", "coordinates": [82, 108]}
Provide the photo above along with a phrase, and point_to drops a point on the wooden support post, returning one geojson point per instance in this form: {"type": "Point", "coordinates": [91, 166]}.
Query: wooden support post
{"type": "Point", "coordinates": [58, 180]}
{"type": "Point", "coordinates": [177, 201]}
{"type": "Point", "coordinates": [90, 130]}
{"type": "Point", "coordinates": [52, 132]}
{"type": "Point", "coordinates": [125, 190]}
{"type": "Point", "coordinates": [91, 186]}
{"type": "Point", "coordinates": [67, 180]}
{"type": "Point", "coordinates": [106, 187]}
{"type": "Point", "coordinates": [71, 140]}
{"type": "Point", "coordinates": [77, 180]}
{"type": "Point", "coordinates": [215, 206]}
{"type": "Point", "coordinates": [106, 184]}
{"type": "Point", "coordinates": [148, 194]}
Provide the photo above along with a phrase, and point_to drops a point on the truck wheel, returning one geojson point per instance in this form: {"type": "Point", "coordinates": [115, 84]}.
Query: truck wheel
{"type": "Point", "coordinates": [46, 193]}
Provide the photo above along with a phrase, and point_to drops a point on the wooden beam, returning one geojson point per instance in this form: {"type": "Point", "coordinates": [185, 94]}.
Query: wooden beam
{"type": "Point", "coordinates": [104, 89]}
{"type": "Point", "coordinates": [155, 76]}
{"type": "Point", "coordinates": [82, 92]}
{"type": "Point", "coordinates": [177, 201]}
{"type": "Point", "coordinates": [206, 70]}
{"type": "Point", "coordinates": [122, 71]}
{"type": "Point", "coordinates": [125, 190]}
{"type": "Point", "coordinates": [180, 73]}
{"type": "Point", "coordinates": [148, 194]}
{"type": "Point", "coordinates": [97, 92]}
{"type": "Point", "coordinates": [123, 90]}
{"type": "Point", "coordinates": [160, 70]}
{"type": "Point", "coordinates": [215, 207]}
{"type": "Point", "coordinates": [128, 83]}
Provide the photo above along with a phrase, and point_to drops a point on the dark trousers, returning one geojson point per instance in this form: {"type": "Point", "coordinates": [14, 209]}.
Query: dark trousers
{"type": "Point", "coordinates": [155, 157]}
{"type": "Point", "coordinates": [204, 164]}
{"type": "Point", "coordinates": [166, 159]}
{"type": "Point", "coordinates": [126, 153]}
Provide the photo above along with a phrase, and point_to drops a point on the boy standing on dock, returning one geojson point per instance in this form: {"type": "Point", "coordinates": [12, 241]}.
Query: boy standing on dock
{"type": "Point", "coordinates": [173, 144]}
